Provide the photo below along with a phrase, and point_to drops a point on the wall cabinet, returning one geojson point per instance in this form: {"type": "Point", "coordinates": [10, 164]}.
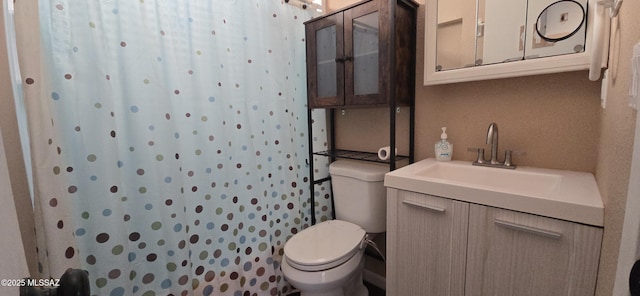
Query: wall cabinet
{"type": "Point", "coordinates": [471, 40]}
{"type": "Point", "coordinates": [438, 246]}
{"type": "Point", "coordinates": [362, 55]}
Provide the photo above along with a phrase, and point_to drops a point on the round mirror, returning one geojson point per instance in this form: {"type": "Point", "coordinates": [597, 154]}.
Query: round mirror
{"type": "Point", "coordinates": [560, 20]}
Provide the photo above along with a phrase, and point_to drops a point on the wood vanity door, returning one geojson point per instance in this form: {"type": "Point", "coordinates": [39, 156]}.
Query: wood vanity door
{"type": "Point", "coordinates": [513, 253]}
{"type": "Point", "coordinates": [426, 244]}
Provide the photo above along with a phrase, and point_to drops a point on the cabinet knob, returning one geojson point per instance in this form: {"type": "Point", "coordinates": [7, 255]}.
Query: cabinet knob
{"type": "Point", "coordinates": [344, 59]}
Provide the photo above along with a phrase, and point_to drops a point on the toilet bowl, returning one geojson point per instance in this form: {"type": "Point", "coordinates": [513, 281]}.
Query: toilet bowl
{"type": "Point", "coordinates": [326, 259]}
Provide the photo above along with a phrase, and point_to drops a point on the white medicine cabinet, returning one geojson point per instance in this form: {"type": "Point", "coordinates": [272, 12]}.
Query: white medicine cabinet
{"type": "Point", "coordinates": [468, 40]}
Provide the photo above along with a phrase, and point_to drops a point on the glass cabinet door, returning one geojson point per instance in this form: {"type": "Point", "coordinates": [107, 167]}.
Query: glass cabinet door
{"type": "Point", "coordinates": [362, 54]}
{"type": "Point", "coordinates": [365, 54]}
{"type": "Point", "coordinates": [325, 62]}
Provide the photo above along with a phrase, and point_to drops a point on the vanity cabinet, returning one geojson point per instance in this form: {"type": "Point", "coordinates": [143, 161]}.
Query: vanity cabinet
{"type": "Point", "coordinates": [461, 248]}
{"type": "Point", "coordinates": [362, 55]}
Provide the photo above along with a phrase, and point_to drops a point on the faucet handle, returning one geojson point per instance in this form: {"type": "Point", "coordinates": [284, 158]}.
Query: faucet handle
{"type": "Point", "coordinates": [508, 154]}
{"type": "Point", "coordinates": [480, 151]}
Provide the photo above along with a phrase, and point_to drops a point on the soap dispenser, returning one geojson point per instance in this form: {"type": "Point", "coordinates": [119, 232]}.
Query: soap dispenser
{"type": "Point", "coordinates": [444, 149]}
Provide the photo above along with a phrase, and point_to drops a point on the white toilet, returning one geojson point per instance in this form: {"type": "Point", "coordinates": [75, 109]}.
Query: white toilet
{"type": "Point", "coordinates": [327, 259]}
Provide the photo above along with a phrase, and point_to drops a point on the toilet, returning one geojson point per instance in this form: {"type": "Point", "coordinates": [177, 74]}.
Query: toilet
{"type": "Point", "coordinates": [327, 259]}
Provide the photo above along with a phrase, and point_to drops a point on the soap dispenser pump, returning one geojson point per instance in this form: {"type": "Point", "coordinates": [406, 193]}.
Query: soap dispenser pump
{"type": "Point", "coordinates": [443, 148]}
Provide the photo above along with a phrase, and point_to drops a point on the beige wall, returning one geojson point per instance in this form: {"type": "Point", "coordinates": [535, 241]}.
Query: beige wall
{"type": "Point", "coordinates": [556, 119]}
{"type": "Point", "coordinates": [337, 4]}
{"type": "Point", "coordinates": [617, 125]}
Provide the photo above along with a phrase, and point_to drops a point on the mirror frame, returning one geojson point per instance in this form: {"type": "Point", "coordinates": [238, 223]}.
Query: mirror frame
{"type": "Point", "coordinates": [545, 65]}
{"type": "Point", "coordinates": [584, 16]}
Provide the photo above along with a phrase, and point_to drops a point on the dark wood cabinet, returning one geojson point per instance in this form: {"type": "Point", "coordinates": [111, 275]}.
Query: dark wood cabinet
{"type": "Point", "coordinates": [362, 56]}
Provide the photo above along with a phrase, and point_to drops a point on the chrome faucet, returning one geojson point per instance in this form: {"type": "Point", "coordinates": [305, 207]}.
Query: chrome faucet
{"type": "Point", "coordinates": [492, 138]}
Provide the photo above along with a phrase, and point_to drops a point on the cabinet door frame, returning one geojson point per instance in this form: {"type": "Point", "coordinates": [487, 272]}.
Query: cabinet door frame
{"type": "Point", "coordinates": [314, 101]}
{"type": "Point", "coordinates": [414, 221]}
{"type": "Point", "coordinates": [351, 99]}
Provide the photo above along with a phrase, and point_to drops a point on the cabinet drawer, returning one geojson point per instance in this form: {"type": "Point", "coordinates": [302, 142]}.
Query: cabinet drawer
{"type": "Point", "coordinates": [513, 253]}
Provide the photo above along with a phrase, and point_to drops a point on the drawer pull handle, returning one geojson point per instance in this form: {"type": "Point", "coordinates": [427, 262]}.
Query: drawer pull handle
{"type": "Point", "coordinates": [423, 206]}
{"type": "Point", "coordinates": [528, 229]}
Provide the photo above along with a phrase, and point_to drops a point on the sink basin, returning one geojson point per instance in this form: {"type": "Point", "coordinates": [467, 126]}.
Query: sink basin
{"type": "Point", "coordinates": [566, 195]}
{"type": "Point", "coordinates": [519, 182]}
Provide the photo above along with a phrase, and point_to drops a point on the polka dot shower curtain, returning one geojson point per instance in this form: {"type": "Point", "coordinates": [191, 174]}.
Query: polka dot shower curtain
{"type": "Point", "coordinates": [169, 143]}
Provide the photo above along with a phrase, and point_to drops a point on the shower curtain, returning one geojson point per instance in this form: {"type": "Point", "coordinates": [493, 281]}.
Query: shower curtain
{"type": "Point", "coordinates": [169, 142]}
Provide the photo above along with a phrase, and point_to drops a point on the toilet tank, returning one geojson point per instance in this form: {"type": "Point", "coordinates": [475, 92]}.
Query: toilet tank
{"type": "Point", "coordinates": [359, 194]}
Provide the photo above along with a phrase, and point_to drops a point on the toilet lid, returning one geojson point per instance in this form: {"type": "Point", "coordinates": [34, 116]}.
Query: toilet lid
{"type": "Point", "coordinates": [324, 245]}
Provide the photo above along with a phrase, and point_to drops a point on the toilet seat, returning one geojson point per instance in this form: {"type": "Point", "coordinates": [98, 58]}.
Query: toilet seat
{"type": "Point", "coordinates": [324, 245]}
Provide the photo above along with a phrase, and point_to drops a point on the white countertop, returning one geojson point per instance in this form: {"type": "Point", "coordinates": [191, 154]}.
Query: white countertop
{"type": "Point", "coordinates": [566, 195]}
